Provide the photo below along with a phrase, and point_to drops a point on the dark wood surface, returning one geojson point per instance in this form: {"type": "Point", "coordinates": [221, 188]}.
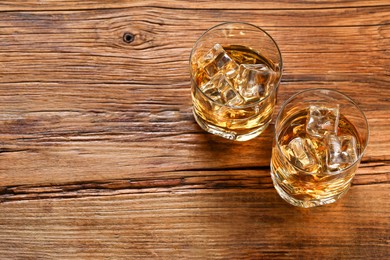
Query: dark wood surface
{"type": "Point", "coordinates": [100, 156]}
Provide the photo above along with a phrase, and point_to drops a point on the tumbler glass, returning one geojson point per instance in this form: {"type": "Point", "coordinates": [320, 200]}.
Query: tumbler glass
{"type": "Point", "coordinates": [235, 74]}
{"type": "Point", "coordinates": [320, 138]}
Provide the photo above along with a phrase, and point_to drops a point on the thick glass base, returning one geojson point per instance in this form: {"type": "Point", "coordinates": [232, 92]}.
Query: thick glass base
{"type": "Point", "coordinates": [229, 134]}
{"type": "Point", "coordinates": [305, 203]}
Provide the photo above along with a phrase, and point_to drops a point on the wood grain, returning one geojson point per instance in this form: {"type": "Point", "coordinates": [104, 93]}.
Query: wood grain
{"type": "Point", "coordinates": [100, 156]}
{"type": "Point", "coordinates": [168, 223]}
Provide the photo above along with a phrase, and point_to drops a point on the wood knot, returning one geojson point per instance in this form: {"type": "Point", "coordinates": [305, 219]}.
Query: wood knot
{"type": "Point", "coordinates": [128, 37]}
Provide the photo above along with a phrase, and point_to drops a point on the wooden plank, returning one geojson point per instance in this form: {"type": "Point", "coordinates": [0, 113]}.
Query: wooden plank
{"type": "Point", "coordinates": [98, 53]}
{"type": "Point", "coordinates": [70, 152]}
{"type": "Point", "coordinates": [53, 5]}
{"type": "Point", "coordinates": [220, 222]}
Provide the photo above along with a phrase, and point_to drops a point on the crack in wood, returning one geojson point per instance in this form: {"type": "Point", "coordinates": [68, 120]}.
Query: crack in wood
{"type": "Point", "coordinates": [114, 187]}
{"type": "Point", "coordinates": [160, 185]}
{"type": "Point", "coordinates": [11, 150]}
{"type": "Point", "coordinates": [181, 8]}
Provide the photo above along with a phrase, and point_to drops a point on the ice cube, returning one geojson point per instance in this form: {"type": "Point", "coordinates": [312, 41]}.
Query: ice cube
{"type": "Point", "coordinates": [301, 152]}
{"type": "Point", "coordinates": [342, 152]}
{"type": "Point", "coordinates": [254, 81]}
{"type": "Point", "coordinates": [322, 120]}
{"type": "Point", "coordinates": [221, 89]}
{"type": "Point", "coordinates": [217, 60]}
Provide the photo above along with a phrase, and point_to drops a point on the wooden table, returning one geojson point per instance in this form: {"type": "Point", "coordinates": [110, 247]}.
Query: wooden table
{"type": "Point", "coordinates": [100, 155]}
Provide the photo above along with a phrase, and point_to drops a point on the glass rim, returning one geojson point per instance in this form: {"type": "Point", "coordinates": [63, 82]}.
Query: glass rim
{"type": "Point", "coordinates": [358, 159]}
{"type": "Point", "coordinates": [274, 89]}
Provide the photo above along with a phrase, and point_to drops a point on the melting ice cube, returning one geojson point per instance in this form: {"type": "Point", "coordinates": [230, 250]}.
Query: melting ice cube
{"type": "Point", "coordinates": [220, 89]}
{"type": "Point", "coordinates": [254, 81]}
{"type": "Point", "coordinates": [301, 152]}
{"type": "Point", "coordinates": [341, 153]}
{"type": "Point", "coordinates": [322, 120]}
{"type": "Point", "coordinates": [217, 60]}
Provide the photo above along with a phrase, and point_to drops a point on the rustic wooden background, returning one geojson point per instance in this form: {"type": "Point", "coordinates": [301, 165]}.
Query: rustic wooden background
{"type": "Point", "coordinates": [100, 156]}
